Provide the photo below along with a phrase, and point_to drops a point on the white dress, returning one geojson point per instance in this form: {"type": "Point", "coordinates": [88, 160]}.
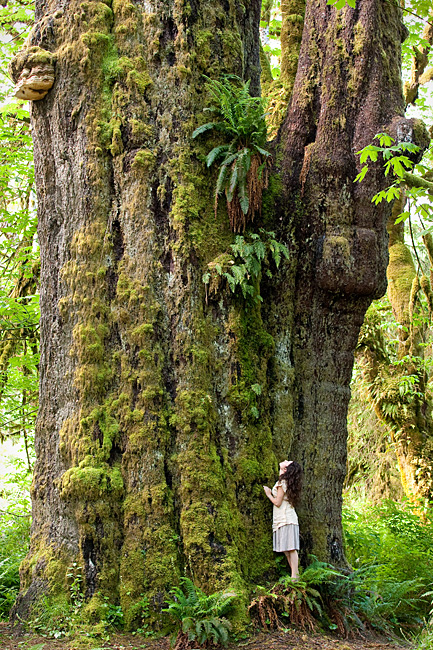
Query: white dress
{"type": "Point", "coordinates": [285, 524]}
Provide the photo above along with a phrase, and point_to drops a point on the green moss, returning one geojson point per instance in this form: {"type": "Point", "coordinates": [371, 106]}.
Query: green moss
{"type": "Point", "coordinates": [360, 38]}
{"type": "Point", "coordinates": [144, 159]}
{"type": "Point", "coordinates": [95, 39]}
{"type": "Point", "coordinates": [140, 80]}
{"type": "Point", "coordinates": [400, 272]}
{"type": "Point", "coordinates": [204, 41]}
{"type": "Point", "coordinates": [116, 145]}
{"type": "Point", "coordinates": [140, 130]}
{"type": "Point", "coordinates": [91, 483]}
{"type": "Point", "coordinates": [232, 45]}
{"type": "Point", "coordinates": [123, 408]}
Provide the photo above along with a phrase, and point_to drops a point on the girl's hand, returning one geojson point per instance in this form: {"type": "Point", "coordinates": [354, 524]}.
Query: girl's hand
{"type": "Point", "coordinates": [268, 491]}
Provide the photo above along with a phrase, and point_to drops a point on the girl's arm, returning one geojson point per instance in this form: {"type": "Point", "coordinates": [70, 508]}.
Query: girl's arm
{"type": "Point", "coordinates": [278, 500]}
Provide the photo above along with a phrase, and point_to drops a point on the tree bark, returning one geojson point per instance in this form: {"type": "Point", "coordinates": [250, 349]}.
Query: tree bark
{"type": "Point", "coordinates": [150, 457]}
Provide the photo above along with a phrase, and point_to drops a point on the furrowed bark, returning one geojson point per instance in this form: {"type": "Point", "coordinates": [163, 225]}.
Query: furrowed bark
{"type": "Point", "coordinates": [145, 460]}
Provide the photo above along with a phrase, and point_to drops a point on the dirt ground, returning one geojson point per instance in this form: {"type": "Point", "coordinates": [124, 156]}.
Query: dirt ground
{"type": "Point", "coordinates": [291, 640]}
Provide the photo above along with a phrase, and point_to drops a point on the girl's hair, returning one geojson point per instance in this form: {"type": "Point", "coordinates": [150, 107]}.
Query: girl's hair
{"type": "Point", "coordinates": [293, 478]}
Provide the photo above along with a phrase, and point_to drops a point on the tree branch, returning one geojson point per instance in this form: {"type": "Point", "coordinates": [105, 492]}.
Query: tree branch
{"type": "Point", "coordinates": [412, 180]}
{"type": "Point", "coordinates": [419, 64]}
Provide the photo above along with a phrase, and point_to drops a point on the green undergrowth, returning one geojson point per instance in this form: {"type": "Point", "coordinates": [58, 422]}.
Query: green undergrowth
{"type": "Point", "coordinates": [393, 545]}
{"type": "Point", "coordinates": [14, 530]}
{"type": "Point", "coordinates": [424, 641]}
{"type": "Point", "coordinates": [390, 589]}
{"type": "Point", "coordinates": [14, 537]}
{"type": "Point", "coordinates": [200, 618]}
{"type": "Point", "coordinates": [67, 616]}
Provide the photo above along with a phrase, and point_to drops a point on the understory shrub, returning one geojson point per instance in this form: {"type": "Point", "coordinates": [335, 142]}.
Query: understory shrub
{"type": "Point", "coordinates": [14, 543]}
{"type": "Point", "coordinates": [14, 531]}
{"type": "Point", "coordinates": [424, 640]}
{"type": "Point", "coordinates": [396, 543]}
{"type": "Point", "coordinates": [321, 597]}
{"type": "Point", "coordinates": [200, 619]}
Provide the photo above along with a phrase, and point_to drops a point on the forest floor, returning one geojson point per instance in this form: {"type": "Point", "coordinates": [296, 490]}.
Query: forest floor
{"type": "Point", "coordinates": [291, 640]}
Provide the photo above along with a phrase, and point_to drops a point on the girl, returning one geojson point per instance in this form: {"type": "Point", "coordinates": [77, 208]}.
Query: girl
{"type": "Point", "coordinates": [285, 495]}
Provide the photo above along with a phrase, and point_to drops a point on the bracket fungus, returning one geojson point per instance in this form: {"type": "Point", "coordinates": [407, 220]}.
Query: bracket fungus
{"type": "Point", "coordinates": [32, 71]}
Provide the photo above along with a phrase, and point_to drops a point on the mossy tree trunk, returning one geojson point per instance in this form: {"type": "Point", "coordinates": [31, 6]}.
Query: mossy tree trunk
{"type": "Point", "coordinates": [150, 454]}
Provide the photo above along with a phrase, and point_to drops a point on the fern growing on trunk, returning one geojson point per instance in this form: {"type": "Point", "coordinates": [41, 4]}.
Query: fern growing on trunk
{"type": "Point", "coordinates": [244, 162]}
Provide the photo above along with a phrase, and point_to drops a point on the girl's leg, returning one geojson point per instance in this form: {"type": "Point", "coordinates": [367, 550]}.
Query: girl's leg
{"type": "Point", "coordinates": [287, 554]}
{"type": "Point", "coordinates": [293, 562]}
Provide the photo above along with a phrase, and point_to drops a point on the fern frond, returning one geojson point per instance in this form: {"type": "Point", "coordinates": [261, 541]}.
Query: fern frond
{"type": "Point", "coordinates": [205, 127]}
{"type": "Point", "coordinates": [261, 151]}
{"type": "Point", "coordinates": [259, 250]}
{"type": "Point", "coordinates": [221, 180]}
{"type": "Point", "coordinates": [243, 198]}
{"type": "Point", "coordinates": [215, 153]}
{"type": "Point", "coordinates": [233, 182]}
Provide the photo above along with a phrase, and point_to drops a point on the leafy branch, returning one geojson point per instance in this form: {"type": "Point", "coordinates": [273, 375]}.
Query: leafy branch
{"type": "Point", "coordinates": [339, 4]}
{"type": "Point", "coordinates": [400, 167]}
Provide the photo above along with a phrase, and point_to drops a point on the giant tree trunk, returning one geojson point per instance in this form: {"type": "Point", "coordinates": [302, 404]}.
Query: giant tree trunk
{"type": "Point", "coordinates": [150, 457]}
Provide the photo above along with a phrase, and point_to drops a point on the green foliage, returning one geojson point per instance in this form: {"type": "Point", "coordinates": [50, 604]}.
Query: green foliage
{"type": "Point", "coordinates": [240, 118]}
{"type": "Point", "coordinates": [52, 618]}
{"type": "Point", "coordinates": [14, 530]}
{"type": "Point", "coordinates": [297, 602]}
{"type": "Point", "coordinates": [19, 256]}
{"type": "Point", "coordinates": [141, 616]}
{"type": "Point", "coordinates": [339, 4]}
{"type": "Point", "coordinates": [201, 617]}
{"type": "Point", "coordinates": [242, 269]}
{"type": "Point", "coordinates": [425, 639]}
{"type": "Point", "coordinates": [372, 464]}
{"type": "Point", "coordinates": [392, 154]}
{"type": "Point", "coordinates": [416, 14]}
{"type": "Point", "coordinates": [393, 545]}
{"type": "Point", "coordinates": [60, 617]}
{"type": "Point", "coordinates": [65, 616]}
{"type": "Point", "coordinates": [387, 588]}
{"type": "Point", "coordinates": [397, 164]}
{"type": "Point", "coordinates": [14, 537]}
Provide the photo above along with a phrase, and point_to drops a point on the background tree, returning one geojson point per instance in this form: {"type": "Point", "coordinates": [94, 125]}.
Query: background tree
{"type": "Point", "coordinates": [163, 408]}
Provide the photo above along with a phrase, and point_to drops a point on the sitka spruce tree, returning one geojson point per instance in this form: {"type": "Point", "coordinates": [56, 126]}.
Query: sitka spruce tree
{"type": "Point", "coordinates": [164, 406]}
